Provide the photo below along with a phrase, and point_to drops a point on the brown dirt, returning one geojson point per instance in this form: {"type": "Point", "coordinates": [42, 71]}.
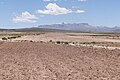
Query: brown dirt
{"type": "Point", "coordinates": [41, 61]}
{"type": "Point", "coordinates": [76, 37]}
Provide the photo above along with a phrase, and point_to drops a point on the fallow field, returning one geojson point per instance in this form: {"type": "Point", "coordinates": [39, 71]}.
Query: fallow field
{"type": "Point", "coordinates": [60, 56]}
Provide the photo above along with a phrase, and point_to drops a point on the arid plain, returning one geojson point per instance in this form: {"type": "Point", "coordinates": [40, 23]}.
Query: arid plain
{"type": "Point", "coordinates": [59, 56]}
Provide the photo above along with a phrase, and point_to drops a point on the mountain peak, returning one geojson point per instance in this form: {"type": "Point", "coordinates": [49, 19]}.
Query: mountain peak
{"type": "Point", "coordinates": [84, 27]}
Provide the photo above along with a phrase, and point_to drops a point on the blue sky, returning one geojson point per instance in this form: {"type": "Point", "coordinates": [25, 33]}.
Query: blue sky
{"type": "Point", "coordinates": [29, 13]}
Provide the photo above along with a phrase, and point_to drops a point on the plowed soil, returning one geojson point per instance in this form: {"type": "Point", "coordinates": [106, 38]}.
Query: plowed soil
{"type": "Point", "coordinates": [46, 61]}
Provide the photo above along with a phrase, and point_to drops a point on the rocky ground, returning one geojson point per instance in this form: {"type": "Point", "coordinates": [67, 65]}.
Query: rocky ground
{"type": "Point", "coordinates": [47, 61]}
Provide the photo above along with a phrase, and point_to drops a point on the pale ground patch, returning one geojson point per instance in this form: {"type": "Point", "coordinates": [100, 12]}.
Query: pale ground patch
{"type": "Point", "coordinates": [72, 37]}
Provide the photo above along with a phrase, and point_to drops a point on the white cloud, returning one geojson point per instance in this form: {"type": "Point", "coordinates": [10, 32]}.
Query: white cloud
{"type": "Point", "coordinates": [25, 17]}
{"type": "Point", "coordinates": [54, 9]}
{"type": "Point", "coordinates": [80, 11]}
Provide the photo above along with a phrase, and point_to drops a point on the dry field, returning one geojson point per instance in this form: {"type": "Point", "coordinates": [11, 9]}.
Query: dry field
{"type": "Point", "coordinates": [111, 41]}
{"type": "Point", "coordinates": [39, 59]}
{"type": "Point", "coordinates": [75, 37]}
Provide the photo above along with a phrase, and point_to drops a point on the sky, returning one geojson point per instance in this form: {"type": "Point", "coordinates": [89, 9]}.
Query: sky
{"type": "Point", "coordinates": [31, 13]}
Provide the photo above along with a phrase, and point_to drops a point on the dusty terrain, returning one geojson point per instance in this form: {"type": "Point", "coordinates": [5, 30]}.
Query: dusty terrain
{"type": "Point", "coordinates": [98, 40]}
{"type": "Point", "coordinates": [76, 37]}
{"type": "Point", "coordinates": [83, 56]}
{"type": "Point", "coordinates": [43, 61]}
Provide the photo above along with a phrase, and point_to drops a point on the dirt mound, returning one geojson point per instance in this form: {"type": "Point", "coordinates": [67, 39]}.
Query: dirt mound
{"type": "Point", "coordinates": [41, 61]}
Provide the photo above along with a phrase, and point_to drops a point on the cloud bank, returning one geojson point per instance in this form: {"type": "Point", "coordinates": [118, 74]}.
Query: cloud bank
{"type": "Point", "coordinates": [54, 9]}
{"type": "Point", "coordinates": [25, 17]}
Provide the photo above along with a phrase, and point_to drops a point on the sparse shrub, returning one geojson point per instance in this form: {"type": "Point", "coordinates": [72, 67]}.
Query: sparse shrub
{"type": "Point", "coordinates": [50, 41]}
{"type": "Point", "coordinates": [31, 41]}
{"type": "Point", "coordinates": [62, 42]}
{"type": "Point", "coordinates": [58, 42]}
{"type": "Point", "coordinates": [9, 38]}
{"type": "Point", "coordinates": [66, 42]}
{"type": "Point", "coordinates": [13, 37]}
{"type": "Point", "coordinates": [38, 34]}
{"type": "Point", "coordinates": [83, 43]}
{"type": "Point", "coordinates": [4, 38]}
{"type": "Point", "coordinates": [41, 41]}
{"type": "Point", "coordinates": [18, 36]}
{"type": "Point", "coordinates": [93, 42]}
{"type": "Point", "coordinates": [73, 42]}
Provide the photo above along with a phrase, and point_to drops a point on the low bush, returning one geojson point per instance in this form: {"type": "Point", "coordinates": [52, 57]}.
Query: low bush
{"type": "Point", "coordinates": [13, 37]}
{"type": "Point", "coordinates": [93, 42]}
{"type": "Point", "coordinates": [9, 38]}
{"type": "Point", "coordinates": [31, 41]}
{"type": "Point", "coordinates": [58, 42]}
{"type": "Point", "coordinates": [18, 36]}
{"type": "Point", "coordinates": [66, 42]}
{"type": "Point", "coordinates": [50, 41]}
{"type": "Point", "coordinates": [4, 38]}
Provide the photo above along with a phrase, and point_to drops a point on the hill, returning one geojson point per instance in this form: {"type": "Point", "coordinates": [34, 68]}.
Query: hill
{"type": "Point", "coordinates": [68, 27]}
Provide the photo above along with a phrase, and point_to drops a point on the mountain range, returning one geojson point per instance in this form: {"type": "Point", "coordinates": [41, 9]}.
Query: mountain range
{"type": "Point", "coordinates": [81, 27]}
{"type": "Point", "coordinates": [68, 27]}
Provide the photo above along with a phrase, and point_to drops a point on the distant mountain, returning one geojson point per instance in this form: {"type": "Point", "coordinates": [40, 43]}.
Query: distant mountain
{"type": "Point", "coordinates": [82, 27]}
{"type": "Point", "coordinates": [1, 30]}
{"type": "Point", "coordinates": [67, 27]}
{"type": "Point", "coordinates": [37, 29]}
{"type": "Point", "coordinates": [74, 27]}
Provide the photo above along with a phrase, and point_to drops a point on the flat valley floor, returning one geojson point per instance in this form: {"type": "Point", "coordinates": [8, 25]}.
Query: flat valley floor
{"type": "Point", "coordinates": [36, 56]}
{"type": "Point", "coordinates": [46, 61]}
